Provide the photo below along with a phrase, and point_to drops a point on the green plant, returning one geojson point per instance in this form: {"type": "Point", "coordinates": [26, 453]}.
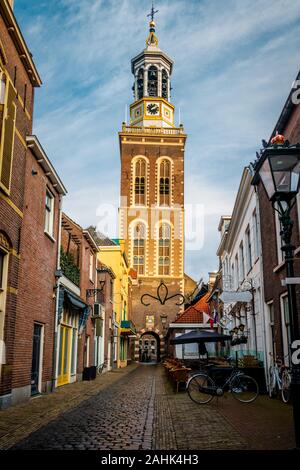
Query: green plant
{"type": "Point", "coordinates": [69, 267]}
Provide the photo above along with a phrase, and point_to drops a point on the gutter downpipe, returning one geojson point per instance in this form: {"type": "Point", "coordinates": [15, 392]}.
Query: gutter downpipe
{"type": "Point", "coordinates": [54, 360]}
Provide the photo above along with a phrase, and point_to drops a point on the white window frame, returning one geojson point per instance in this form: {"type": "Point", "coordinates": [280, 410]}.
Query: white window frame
{"type": "Point", "coordinates": [3, 292]}
{"type": "Point", "coordinates": [49, 213]}
{"type": "Point", "coordinates": [91, 266]}
{"type": "Point", "coordinates": [236, 269]}
{"type": "Point", "coordinates": [41, 358]}
{"type": "Point", "coordinates": [270, 324]}
{"type": "Point", "coordinates": [255, 236]}
{"type": "Point", "coordinates": [284, 330]}
{"type": "Point", "coordinates": [242, 262]}
{"type": "Point", "coordinates": [278, 238]}
{"type": "Point", "coordinates": [248, 243]}
{"type": "Point", "coordinates": [87, 359]}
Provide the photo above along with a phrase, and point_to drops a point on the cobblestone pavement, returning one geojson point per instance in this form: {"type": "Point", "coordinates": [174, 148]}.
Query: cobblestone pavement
{"type": "Point", "coordinates": [140, 410]}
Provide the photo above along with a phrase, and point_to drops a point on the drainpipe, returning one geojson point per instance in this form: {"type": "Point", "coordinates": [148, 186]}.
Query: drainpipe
{"type": "Point", "coordinates": [54, 361]}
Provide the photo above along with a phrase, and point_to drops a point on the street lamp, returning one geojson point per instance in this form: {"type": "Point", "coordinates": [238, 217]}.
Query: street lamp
{"type": "Point", "coordinates": [278, 167]}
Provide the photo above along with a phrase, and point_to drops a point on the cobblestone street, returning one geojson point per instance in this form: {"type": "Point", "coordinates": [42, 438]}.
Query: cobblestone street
{"type": "Point", "coordinates": [137, 408]}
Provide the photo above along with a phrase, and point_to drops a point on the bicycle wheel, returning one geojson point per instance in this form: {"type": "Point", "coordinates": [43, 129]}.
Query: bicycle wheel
{"type": "Point", "coordinates": [272, 382]}
{"type": "Point", "coordinates": [244, 388]}
{"type": "Point", "coordinates": [200, 388]}
{"type": "Point", "coordinates": [286, 386]}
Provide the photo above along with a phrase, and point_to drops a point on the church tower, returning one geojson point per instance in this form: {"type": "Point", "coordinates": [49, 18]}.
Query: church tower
{"type": "Point", "coordinates": [152, 199]}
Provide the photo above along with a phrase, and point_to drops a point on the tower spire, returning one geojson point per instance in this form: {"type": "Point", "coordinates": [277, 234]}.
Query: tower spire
{"type": "Point", "coordinates": [152, 39]}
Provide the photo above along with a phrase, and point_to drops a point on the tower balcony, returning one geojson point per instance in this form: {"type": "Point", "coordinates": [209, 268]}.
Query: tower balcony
{"type": "Point", "coordinates": [153, 130]}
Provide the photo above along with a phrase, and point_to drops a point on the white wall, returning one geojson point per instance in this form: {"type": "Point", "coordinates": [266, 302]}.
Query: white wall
{"type": "Point", "coordinates": [243, 219]}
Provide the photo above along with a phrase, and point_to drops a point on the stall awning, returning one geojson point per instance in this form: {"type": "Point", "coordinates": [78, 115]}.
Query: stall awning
{"type": "Point", "coordinates": [127, 328]}
{"type": "Point", "coordinates": [75, 301]}
{"type": "Point", "coordinates": [200, 337]}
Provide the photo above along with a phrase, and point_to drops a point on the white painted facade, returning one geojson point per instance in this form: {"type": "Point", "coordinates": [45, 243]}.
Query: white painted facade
{"type": "Point", "coordinates": [241, 264]}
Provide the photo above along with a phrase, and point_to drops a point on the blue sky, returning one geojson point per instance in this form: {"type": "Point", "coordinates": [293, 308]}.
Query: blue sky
{"type": "Point", "coordinates": [235, 62]}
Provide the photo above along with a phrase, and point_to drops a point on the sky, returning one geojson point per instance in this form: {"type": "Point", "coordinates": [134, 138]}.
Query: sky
{"type": "Point", "coordinates": [235, 63]}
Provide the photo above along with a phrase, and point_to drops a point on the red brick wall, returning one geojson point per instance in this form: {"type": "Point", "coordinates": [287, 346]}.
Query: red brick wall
{"type": "Point", "coordinates": [36, 302]}
{"type": "Point", "coordinates": [10, 219]}
{"type": "Point", "coordinates": [81, 252]}
{"type": "Point", "coordinates": [272, 281]}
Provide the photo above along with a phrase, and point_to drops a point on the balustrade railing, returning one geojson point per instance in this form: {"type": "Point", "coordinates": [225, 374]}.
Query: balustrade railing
{"type": "Point", "coordinates": [153, 130]}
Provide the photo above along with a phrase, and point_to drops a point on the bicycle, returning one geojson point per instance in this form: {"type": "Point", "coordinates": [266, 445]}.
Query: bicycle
{"type": "Point", "coordinates": [101, 367]}
{"type": "Point", "coordinates": [202, 389]}
{"type": "Point", "coordinates": [279, 380]}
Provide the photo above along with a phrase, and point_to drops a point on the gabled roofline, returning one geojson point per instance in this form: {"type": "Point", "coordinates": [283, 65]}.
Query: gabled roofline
{"type": "Point", "coordinates": [90, 239]}
{"type": "Point", "coordinates": [39, 153]}
{"type": "Point", "coordinates": [19, 41]}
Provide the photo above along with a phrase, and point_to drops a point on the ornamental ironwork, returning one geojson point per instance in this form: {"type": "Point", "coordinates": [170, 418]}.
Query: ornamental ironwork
{"type": "Point", "coordinates": [163, 296]}
{"type": "Point", "coordinates": [95, 292]}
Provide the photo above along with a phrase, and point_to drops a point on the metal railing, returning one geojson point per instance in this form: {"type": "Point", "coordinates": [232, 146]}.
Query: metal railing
{"type": "Point", "coordinates": [153, 130]}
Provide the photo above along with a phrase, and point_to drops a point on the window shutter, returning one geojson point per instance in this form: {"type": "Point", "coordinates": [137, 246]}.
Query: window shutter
{"type": "Point", "coordinates": [8, 134]}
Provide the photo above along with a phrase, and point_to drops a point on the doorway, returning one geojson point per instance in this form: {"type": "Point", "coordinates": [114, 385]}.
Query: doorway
{"type": "Point", "coordinates": [37, 359]}
{"type": "Point", "coordinates": [149, 348]}
{"type": "Point", "coordinates": [64, 363]}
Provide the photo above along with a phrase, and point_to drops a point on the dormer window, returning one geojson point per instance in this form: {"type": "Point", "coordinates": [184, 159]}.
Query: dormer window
{"type": "Point", "coordinates": [152, 81]}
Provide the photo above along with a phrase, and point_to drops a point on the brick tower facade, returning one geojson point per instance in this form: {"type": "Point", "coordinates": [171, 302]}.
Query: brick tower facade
{"type": "Point", "coordinates": [152, 198]}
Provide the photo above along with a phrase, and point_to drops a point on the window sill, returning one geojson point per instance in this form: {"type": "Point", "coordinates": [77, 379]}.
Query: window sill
{"type": "Point", "coordinates": [49, 236]}
{"type": "Point", "coordinates": [279, 267]}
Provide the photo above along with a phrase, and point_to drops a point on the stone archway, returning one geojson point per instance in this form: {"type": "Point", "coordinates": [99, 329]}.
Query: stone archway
{"type": "Point", "coordinates": [149, 347]}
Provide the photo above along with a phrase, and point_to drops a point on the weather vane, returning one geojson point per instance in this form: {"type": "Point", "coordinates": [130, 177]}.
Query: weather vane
{"type": "Point", "coordinates": [153, 12]}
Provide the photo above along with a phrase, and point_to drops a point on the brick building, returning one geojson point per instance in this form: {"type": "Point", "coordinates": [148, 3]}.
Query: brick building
{"type": "Point", "coordinates": [79, 334]}
{"type": "Point", "coordinates": [30, 198]}
{"type": "Point", "coordinates": [277, 315]}
{"type": "Point", "coordinates": [39, 245]}
{"type": "Point", "coordinates": [152, 193]}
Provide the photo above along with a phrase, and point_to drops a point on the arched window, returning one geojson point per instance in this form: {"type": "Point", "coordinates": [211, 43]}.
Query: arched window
{"type": "Point", "coordinates": [164, 183]}
{"type": "Point", "coordinates": [140, 84]}
{"type": "Point", "coordinates": [164, 250]}
{"type": "Point", "coordinates": [140, 182]}
{"type": "Point", "coordinates": [139, 236]}
{"type": "Point", "coordinates": [164, 85]}
{"type": "Point", "coordinates": [152, 81]}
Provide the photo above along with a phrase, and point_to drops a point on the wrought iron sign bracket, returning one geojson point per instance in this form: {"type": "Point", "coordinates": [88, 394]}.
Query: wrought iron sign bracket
{"type": "Point", "coordinates": [162, 296]}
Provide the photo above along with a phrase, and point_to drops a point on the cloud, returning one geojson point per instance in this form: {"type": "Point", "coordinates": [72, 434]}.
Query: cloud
{"type": "Point", "coordinates": [234, 65]}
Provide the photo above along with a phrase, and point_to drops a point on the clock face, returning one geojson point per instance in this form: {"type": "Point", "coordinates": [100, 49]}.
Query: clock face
{"type": "Point", "coordinates": [153, 108]}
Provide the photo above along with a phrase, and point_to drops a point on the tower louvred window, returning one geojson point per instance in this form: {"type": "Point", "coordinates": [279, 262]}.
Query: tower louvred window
{"type": "Point", "coordinates": [140, 84]}
{"type": "Point", "coordinates": [139, 248]}
{"type": "Point", "coordinates": [152, 81]}
{"type": "Point", "coordinates": [140, 182]}
{"type": "Point", "coordinates": [164, 85]}
{"type": "Point", "coordinates": [164, 183]}
{"type": "Point", "coordinates": [7, 137]}
{"type": "Point", "coordinates": [164, 249]}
